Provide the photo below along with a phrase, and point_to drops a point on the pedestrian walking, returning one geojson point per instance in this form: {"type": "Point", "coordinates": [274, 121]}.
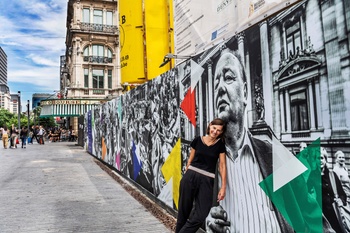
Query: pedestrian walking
{"type": "Point", "coordinates": [23, 135]}
{"type": "Point", "coordinates": [41, 135]}
{"type": "Point", "coordinates": [5, 136]}
{"type": "Point", "coordinates": [14, 136]}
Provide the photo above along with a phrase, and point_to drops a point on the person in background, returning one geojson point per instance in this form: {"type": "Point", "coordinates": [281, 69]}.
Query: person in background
{"type": "Point", "coordinates": [5, 136]}
{"type": "Point", "coordinates": [342, 172]}
{"type": "Point", "coordinates": [41, 135]}
{"type": "Point", "coordinates": [63, 135]}
{"type": "Point", "coordinates": [302, 146]}
{"type": "Point", "coordinates": [72, 136]}
{"type": "Point", "coordinates": [197, 184]}
{"type": "Point", "coordinates": [34, 135]}
{"type": "Point", "coordinates": [303, 157]}
{"type": "Point", "coordinates": [327, 197]}
{"type": "Point", "coordinates": [14, 135]}
{"type": "Point", "coordinates": [23, 135]}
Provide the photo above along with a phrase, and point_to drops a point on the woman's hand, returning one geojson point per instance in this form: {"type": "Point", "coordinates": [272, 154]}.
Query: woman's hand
{"type": "Point", "coordinates": [221, 194]}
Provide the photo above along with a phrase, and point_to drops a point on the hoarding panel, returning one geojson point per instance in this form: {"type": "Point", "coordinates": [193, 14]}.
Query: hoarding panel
{"type": "Point", "coordinates": [158, 36]}
{"type": "Point", "coordinates": [131, 42]}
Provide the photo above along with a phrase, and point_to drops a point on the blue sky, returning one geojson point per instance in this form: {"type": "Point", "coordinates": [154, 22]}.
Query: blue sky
{"type": "Point", "coordinates": [32, 34]}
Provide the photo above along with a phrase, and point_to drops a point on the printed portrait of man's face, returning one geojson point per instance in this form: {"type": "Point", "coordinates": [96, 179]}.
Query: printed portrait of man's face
{"type": "Point", "coordinates": [229, 88]}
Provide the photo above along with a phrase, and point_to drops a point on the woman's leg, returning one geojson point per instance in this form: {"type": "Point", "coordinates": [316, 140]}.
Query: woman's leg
{"type": "Point", "coordinates": [6, 142]}
{"type": "Point", "coordinates": [3, 141]}
{"type": "Point", "coordinates": [24, 142]}
{"type": "Point", "coordinates": [187, 194]}
{"type": "Point", "coordinates": [203, 203]}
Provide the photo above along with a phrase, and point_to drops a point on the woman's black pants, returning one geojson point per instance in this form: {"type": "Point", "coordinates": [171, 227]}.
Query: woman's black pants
{"type": "Point", "coordinates": [196, 189]}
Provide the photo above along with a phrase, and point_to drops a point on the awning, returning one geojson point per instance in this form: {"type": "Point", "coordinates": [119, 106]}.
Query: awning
{"type": "Point", "coordinates": [67, 107]}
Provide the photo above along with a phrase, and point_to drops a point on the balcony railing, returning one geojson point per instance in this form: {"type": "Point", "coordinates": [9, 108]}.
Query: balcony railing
{"type": "Point", "coordinates": [98, 91]}
{"type": "Point", "coordinates": [93, 27]}
{"type": "Point", "coordinates": [97, 59]}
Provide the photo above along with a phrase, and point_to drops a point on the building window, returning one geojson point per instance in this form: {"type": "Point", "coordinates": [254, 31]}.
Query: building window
{"type": "Point", "coordinates": [109, 18]}
{"type": "Point", "coordinates": [97, 50]}
{"type": "Point", "coordinates": [86, 15]}
{"type": "Point", "coordinates": [100, 54]}
{"type": "Point", "coordinates": [293, 34]}
{"type": "Point", "coordinates": [97, 78]}
{"type": "Point", "coordinates": [86, 51]}
{"type": "Point", "coordinates": [337, 102]}
{"type": "Point", "coordinates": [109, 53]}
{"type": "Point", "coordinates": [86, 77]}
{"type": "Point", "coordinates": [98, 17]}
{"type": "Point", "coordinates": [299, 111]}
{"type": "Point", "coordinates": [110, 79]}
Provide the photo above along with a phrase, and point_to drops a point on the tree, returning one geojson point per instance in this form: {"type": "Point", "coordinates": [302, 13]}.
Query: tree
{"type": "Point", "coordinates": [7, 118]}
{"type": "Point", "coordinates": [47, 122]}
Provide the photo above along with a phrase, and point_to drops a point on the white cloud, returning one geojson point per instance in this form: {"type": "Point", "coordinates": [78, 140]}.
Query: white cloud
{"type": "Point", "coordinates": [43, 61]}
{"type": "Point", "coordinates": [44, 77]}
{"type": "Point", "coordinates": [32, 33]}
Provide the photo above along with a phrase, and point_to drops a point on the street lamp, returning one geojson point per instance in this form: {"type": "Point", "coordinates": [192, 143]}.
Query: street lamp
{"type": "Point", "coordinates": [19, 109]}
{"type": "Point", "coordinates": [167, 58]}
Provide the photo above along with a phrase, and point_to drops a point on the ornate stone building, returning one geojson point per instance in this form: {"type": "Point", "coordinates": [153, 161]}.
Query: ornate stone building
{"type": "Point", "coordinates": [309, 67]}
{"type": "Point", "coordinates": [90, 68]}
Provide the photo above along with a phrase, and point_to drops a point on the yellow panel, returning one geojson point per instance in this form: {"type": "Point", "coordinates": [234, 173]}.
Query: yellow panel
{"type": "Point", "coordinates": [171, 169]}
{"type": "Point", "coordinates": [131, 41]}
{"type": "Point", "coordinates": [159, 35]}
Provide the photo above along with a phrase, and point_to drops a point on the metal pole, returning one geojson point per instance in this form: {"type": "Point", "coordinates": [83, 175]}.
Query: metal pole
{"type": "Point", "coordinates": [19, 110]}
{"type": "Point", "coordinates": [34, 112]}
{"type": "Point", "coordinates": [28, 118]}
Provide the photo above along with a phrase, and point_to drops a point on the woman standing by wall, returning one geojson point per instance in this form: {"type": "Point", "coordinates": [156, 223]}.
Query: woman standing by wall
{"type": "Point", "coordinates": [198, 181]}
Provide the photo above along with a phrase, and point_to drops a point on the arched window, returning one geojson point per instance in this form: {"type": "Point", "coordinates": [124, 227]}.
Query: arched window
{"type": "Point", "coordinates": [86, 51]}
{"type": "Point", "coordinates": [109, 53]}
{"type": "Point", "coordinates": [99, 54]}
{"type": "Point", "coordinates": [97, 50]}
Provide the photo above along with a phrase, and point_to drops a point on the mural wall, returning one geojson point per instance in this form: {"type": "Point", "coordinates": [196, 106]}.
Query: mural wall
{"type": "Point", "coordinates": [280, 84]}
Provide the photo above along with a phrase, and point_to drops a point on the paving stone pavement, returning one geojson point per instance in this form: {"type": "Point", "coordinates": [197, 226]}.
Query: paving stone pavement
{"type": "Point", "coordinates": [57, 187]}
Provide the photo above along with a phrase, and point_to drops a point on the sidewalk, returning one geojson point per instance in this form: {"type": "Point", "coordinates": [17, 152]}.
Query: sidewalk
{"type": "Point", "coordinates": [58, 187]}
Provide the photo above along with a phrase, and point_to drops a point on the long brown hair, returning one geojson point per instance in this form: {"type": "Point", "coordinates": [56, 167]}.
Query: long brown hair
{"type": "Point", "coordinates": [218, 121]}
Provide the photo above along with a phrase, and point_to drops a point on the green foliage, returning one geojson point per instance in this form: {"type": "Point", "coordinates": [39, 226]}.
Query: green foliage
{"type": "Point", "coordinates": [7, 118]}
{"type": "Point", "coordinates": [47, 122]}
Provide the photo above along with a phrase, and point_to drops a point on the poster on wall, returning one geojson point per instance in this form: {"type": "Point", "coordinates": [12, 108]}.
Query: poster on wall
{"type": "Point", "coordinates": [131, 42]}
{"type": "Point", "coordinates": [194, 27]}
{"type": "Point", "coordinates": [199, 25]}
